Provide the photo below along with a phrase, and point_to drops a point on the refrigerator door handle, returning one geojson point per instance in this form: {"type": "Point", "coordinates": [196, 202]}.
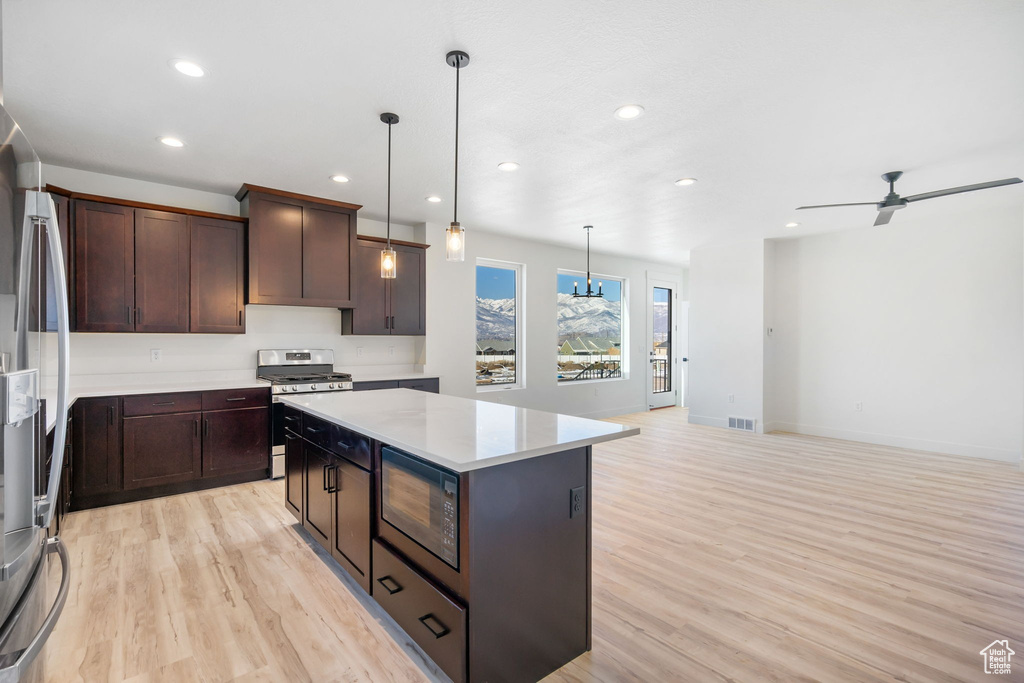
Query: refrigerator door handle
{"type": "Point", "coordinates": [46, 212]}
{"type": "Point", "coordinates": [14, 671]}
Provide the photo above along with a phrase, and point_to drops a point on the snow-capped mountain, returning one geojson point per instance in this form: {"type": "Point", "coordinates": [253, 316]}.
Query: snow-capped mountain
{"type": "Point", "coordinates": [581, 317]}
{"type": "Point", "coordinates": [495, 318]}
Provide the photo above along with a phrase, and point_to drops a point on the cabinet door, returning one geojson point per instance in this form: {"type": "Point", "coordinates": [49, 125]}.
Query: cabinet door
{"type": "Point", "coordinates": [318, 514]}
{"type": "Point", "coordinates": [104, 267]}
{"type": "Point", "coordinates": [352, 521]}
{"type": "Point", "coordinates": [218, 276]}
{"type": "Point", "coordinates": [369, 313]}
{"type": "Point", "coordinates": [236, 441]}
{"type": "Point", "coordinates": [275, 250]}
{"type": "Point", "coordinates": [328, 242]}
{"type": "Point", "coordinates": [294, 467]}
{"type": "Point", "coordinates": [161, 449]}
{"type": "Point", "coordinates": [95, 446]}
{"type": "Point", "coordinates": [408, 292]}
{"type": "Point", "coordinates": [161, 271]}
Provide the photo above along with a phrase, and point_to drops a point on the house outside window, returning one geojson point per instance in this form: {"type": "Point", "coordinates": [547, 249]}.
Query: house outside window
{"type": "Point", "coordinates": [499, 325]}
{"type": "Point", "coordinates": [591, 331]}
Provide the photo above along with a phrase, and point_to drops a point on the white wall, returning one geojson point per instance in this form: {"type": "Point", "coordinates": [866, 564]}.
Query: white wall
{"type": "Point", "coordinates": [266, 326]}
{"type": "Point", "coordinates": [451, 327]}
{"type": "Point", "coordinates": [726, 312]}
{"type": "Point", "coordinates": [920, 322]}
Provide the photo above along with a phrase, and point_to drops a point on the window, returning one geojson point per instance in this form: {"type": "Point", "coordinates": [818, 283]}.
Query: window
{"type": "Point", "coordinates": [591, 333]}
{"type": "Point", "coordinates": [499, 326]}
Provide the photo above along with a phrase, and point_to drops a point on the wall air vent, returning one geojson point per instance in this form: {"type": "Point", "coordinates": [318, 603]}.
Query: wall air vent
{"type": "Point", "coordinates": [744, 424]}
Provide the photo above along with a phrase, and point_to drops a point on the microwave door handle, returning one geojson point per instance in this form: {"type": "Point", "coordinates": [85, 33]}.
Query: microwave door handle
{"type": "Point", "coordinates": [46, 212]}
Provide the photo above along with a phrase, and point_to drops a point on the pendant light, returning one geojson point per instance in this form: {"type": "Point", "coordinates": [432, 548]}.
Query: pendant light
{"type": "Point", "coordinates": [591, 294]}
{"type": "Point", "coordinates": [388, 259]}
{"type": "Point", "coordinates": [455, 235]}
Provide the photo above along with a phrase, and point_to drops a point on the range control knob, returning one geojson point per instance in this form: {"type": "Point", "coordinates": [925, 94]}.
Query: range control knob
{"type": "Point", "coordinates": [312, 387]}
{"type": "Point", "coordinates": [330, 386]}
{"type": "Point", "coordinates": [295, 388]}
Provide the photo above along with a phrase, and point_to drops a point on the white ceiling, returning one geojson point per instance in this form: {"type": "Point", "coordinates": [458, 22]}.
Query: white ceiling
{"type": "Point", "coordinates": [771, 105]}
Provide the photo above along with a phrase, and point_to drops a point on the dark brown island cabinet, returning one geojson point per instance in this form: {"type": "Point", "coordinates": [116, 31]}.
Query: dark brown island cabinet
{"type": "Point", "coordinates": [144, 268]}
{"type": "Point", "coordinates": [300, 248]}
{"type": "Point", "coordinates": [387, 307]}
{"type": "Point", "coordinates": [148, 445]}
{"type": "Point", "coordinates": [511, 604]}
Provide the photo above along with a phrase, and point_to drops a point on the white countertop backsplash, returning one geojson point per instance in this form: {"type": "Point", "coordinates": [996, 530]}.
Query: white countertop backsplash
{"type": "Point", "coordinates": [460, 434]}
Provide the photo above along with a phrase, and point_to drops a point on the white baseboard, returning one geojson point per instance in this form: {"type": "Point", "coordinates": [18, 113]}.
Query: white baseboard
{"type": "Point", "coordinates": [708, 421]}
{"type": "Point", "coordinates": [944, 447]}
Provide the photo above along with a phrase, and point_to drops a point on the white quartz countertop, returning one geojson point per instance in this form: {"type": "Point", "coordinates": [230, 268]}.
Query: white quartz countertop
{"type": "Point", "coordinates": [457, 433]}
{"type": "Point", "coordinates": [84, 390]}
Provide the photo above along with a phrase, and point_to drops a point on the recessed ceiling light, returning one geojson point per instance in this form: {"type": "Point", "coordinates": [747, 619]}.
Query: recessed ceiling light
{"type": "Point", "coordinates": [433, 199]}
{"type": "Point", "coordinates": [508, 166]}
{"type": "Point", "coordinates": [683, 182]}
{"type": "Point", "coordinates": [792, 225]}
{"type": "Point", "coordinates": [629, 111]}
{"type": "Point", "coordinates": [188, 68]}
{"type": "Point", "coordinates": [171, 142]}
{"type": "Point", "coordinates": [339, 178]}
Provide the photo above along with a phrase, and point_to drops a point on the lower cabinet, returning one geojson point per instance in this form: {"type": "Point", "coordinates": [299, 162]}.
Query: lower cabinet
{"type": "Point", "coordinates": [431, 384]}
{"type": "Point", "coordinates": [162, 449]}
{"type": "Point", "coordinates": [318, 513]}
{"type": "Point", "coordinates": [235, 440]}
{"type": "Point", "coordinates": [95, 448]}
{"type": "Point", "coordinates": [294, 466]}
{"type": "Point", "coordinates": [425, 613]}
{"type": "Point", "coordinates": [352, 521]}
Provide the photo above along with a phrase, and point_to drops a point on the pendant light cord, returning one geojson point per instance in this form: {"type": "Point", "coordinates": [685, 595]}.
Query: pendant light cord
{"type": "Point", "coordinates": [389, 186]}
{"type": "Point", "coordinates": [458, 70]}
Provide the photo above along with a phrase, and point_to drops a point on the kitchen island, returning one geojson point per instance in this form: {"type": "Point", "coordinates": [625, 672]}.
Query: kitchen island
{"type": "Point", "coordinates": [468, 522]}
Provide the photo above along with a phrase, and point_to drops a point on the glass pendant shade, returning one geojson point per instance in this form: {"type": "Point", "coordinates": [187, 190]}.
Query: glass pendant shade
{"type": "Point", "coordinates": [455, 243]}
{"type": "Point", "coordinates": [388, 264]}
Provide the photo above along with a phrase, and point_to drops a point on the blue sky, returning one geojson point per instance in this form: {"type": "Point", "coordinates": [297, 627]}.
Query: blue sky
{"type": "Point", "coordinates": [612, 288]}
{"type": "Point", "coordinates": [495, 283]}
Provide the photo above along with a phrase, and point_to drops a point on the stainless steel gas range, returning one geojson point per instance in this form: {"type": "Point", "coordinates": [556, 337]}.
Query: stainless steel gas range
{"type": "Point", "coordinates": [292, 372]}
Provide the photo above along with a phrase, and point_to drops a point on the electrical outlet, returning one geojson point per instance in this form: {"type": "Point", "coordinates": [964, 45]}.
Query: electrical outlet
{"type": "Point", "coordinates": [154, 355]}
{"type": "Point", "coordinates": [359, 351]}
{"type": "Point", "coordinates": [771, 331]}
{"type": "Point", "coordinates": [391, 350]}
{"type": "Point", "coordinates": [732, 398]}
{"type": "Point", "coordinates": [577, 501]}
{"type": "Point", "coordinates": [858, 406]}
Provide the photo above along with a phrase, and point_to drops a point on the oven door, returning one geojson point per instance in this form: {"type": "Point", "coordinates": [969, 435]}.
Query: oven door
{"type": "Point", "coordinates": [422, 501]}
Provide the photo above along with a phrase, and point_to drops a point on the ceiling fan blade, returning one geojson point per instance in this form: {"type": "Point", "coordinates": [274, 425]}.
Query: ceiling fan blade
{"type": "Point", "coordinates": [829, 206]}
{"type": "Point", "coordinates": [962, 188]}
{"type": "Point", "coordinates": [884, 217]}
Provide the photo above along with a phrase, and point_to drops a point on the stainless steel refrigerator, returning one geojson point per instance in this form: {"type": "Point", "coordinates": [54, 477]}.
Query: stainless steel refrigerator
{"type": "Point", "coordinates": [34, 373]}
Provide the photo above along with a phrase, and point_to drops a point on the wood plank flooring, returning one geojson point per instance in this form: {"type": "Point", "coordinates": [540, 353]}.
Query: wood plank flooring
{"type": "Point", "coordinates": [717, 556]}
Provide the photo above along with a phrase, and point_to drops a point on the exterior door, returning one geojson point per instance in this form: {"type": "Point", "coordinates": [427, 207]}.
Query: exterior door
{"type": "Point", "coordinates": [661, 372]}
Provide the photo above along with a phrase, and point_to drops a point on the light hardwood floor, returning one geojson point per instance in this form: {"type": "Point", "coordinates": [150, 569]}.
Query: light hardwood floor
{"type": "Point", "coordinates": [717, 556]}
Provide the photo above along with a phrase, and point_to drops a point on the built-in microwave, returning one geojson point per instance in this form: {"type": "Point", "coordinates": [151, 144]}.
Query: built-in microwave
{"type": "Point", "coordinates": [422, 501]}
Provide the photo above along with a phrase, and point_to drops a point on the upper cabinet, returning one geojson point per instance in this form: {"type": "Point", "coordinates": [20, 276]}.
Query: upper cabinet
{"type": "Point", "coordinates": [393, 307]}
{"type": "Point", "coordinates": [140, 268]}
{"type": "Point", "coordinates": [300, 248]}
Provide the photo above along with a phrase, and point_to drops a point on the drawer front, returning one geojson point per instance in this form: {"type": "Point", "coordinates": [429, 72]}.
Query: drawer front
{"type": "Point", "coordinates": [230, 399]}
{"type": "Point", "coordinates": [426, 614]}
{"type": "Point", "coordinates": [350, 445]}
{"type": "Point", "coordinates": [369, 386]}
{"type": "Point", "coordinates": [431, 384]}
{"type": "Point", "coordinates": [316, 431]}
{"type": "Point", "coordinates": [162, 404]}
{"type": "Point", "coordinates": [292, 419]}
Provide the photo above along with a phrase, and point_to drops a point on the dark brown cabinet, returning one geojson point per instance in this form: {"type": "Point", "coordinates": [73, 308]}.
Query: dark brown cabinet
{"type": "Point", "coordinates": [352, 520]}
{"type": "Point", "coordinates": [218, 275]}
{"type": "Point", "coordinates": [161, 271]}
{"type": "Point", "coordinates": [235, 441]}
{"type": "Point", "coordinates": [318, 512]}
{"type": "Point", "coordinates": [300, 248]}
{"type": "Point", "coordinates": [95, 447]}
{"type": "Point", "coordinates": [429, 384]}
{"type": "Point", "coordinates": [379, 306]}
{"type": "Point", "coordinates": [294, 465]}
{"type": "Point", "coordinates": [104, 267]}
{"type": "Point", "coordinates": [161, 449]}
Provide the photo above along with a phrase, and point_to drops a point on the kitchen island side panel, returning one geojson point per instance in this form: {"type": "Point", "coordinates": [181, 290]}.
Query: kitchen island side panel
{"type": "Point", "coordinates": [529, 575]}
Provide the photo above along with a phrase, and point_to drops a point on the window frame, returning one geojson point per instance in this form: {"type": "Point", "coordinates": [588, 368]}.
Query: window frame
{"type": "Point", "coordinates": [520, 335]}
{"type": "Point", "coordinates": [624, 344]}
